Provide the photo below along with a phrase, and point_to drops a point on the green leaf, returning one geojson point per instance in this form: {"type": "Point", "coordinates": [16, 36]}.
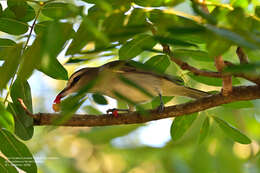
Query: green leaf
{"type": "Point", "coordinates": [136, 46]}
{"type": "Point", "coordinates": [12, 26]}
{"type": "Point", "coordinates": [250, 68]}
{"type": "Point", "coordinates": [60, 10]}
{"type": "Point", "coordinates": [137, 18]}
{"type": "Point", "coordinates": [53, 68]}
{"type": "Point", "coordinates": [239, 105]}
{"type": "Point", "coordinates": [23, 122]}
{"type": "Point", "coordinates": [204, 131]}
{"type": "Point", "coordinates": [88, 31]}
{"type": "Point", "coordinates": [6, 119]}
{"type": "Point", "coordinates": [99, 99]}
{"type": "Point", "coordinates": [42, 26]}
{"type": "Point", "coordinates": [232, 132]}
{"type": "Point", "coordinates": [156, 101]}
{"type": "Point", "coordinates": [19, 10]}
{"type": "Point", "coordinates": [180, 125]}
{"type": "Point", "coordinates": [217, 46]}
{"type": "Point", "coordinates": [211, 81]}
{"type": "Point", "coordinates": [173, 41]}
{"type": "Point", "coordinates": [6, 43]}
{"type": "Point", "coordinates": [194, 54]}
{"type": "Point", "coordinates": [91, 110]}
{"type": "Point", "coordinates": [31, 57]}
{"type": "Point", "coordinates": [157, 3]}
{"type": "Point", "coordinates": [233, 36]}
{"type": "Point", "coordinates": [12, 60]}
{"type": "Point", "coordinates": [158, 63]}
{"type": "Point", "coordinates": [6, 167]}
{"type": "Point", "coordinates": [21, 89]}
{"type": "Point", "coordinates": [44, 51]}
{"type": "Point", "coordinates": [257, 11]}
{"type": "Point", "coordinates": [16, 151]}
{"type": "Point", "coordinates": [23, 128]}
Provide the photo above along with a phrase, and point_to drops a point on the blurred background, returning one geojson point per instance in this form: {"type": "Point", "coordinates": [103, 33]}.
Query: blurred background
{"type": "Point", "coordinates": [141, 148]}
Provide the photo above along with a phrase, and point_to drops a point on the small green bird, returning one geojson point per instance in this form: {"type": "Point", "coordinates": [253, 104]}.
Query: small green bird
{"type": "Point", "coordinates": [110, 81]}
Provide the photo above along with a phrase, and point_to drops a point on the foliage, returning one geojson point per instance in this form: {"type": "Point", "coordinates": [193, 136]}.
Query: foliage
{"type": "Point", "coordinates": [35, 33]}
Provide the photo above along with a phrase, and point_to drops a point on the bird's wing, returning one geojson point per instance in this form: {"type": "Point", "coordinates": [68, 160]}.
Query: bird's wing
{"type": "Point", "coordinates": [136, 67]}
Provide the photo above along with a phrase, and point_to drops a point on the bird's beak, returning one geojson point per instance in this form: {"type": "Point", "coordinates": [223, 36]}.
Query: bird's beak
{"type": "Point", "coordinates": [60, 95]}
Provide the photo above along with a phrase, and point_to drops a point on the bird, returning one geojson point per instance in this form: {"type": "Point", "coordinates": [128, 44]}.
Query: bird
{"type": "Point", "coordinates": [113, 78]}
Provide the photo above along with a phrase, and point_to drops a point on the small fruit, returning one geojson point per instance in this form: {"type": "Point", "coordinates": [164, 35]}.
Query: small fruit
{"type": "Point", "coordinates": [56, 107]}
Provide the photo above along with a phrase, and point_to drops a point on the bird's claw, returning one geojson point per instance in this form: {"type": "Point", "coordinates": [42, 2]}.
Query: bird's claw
{"type": "Point", "coordinates": [160, 108]}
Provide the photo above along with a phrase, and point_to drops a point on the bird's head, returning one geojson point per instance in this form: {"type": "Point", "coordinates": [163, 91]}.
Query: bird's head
{"type": "Point", "coordinates": [76, 82]}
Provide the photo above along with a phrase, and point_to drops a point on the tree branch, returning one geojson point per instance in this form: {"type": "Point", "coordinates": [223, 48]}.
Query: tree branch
{"type": "Point", "coordinates": [227, 80]}
{"type": "Point", "coordinates": [238, 94]}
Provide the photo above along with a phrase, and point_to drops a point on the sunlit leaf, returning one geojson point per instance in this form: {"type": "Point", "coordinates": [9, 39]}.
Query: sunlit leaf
{"type": "Point", "coordinates": [204, 131]}
{"type": "Point", "coordinates": [60, 10]}
{"type": "Point", "coordinates": [232, 132]}
{"type": "Point", "coordinates": [157, 3]}
{"type": "Point", "coordinates": [91, 110]}
{"type": "Point", "coordinates": [217, 46]}
{"type": "Point", "coordinates": [233, 36]}
{"type": "Point", "coordinates": [211, 81]}
{"type": "Point", "coordinates": [12, 58]}
{"type": "Point", "coordinates": [180, 125]}
{"type": "Point", "coordinates": [29, 60]}
{"type": "Point", "coordinates": [239, 105]}
{"type": "Point", "coordinates": [16, 152]}
{"type": "Point", "coordinates": [251, 68]}
{"type": "Point", "coordinates": [159, 63]}
{"type": "Point", "coordinates": [42, 54]}
{"type": "Point", "coordinates": [193, 54]}
{"type": "Point", "coordinates": [136, 46]}
{"type": "Point", "coordinates": [87, 32]}
{"type": "Point", "coordinates": [6, 119]}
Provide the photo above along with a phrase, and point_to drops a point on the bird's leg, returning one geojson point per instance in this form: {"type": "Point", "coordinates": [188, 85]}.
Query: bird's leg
{"type": "Point", "coordinates": [115, 111]}
{"type": "Point", "coordinates": [161, 106]}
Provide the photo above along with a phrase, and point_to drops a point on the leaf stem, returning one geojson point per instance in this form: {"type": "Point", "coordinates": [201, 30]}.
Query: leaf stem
{"type": "Point", "coordinates": [24, 48]}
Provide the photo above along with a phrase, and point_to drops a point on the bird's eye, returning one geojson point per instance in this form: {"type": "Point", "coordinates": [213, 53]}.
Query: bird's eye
{"type": "Point", "coordinates": [76, 79]}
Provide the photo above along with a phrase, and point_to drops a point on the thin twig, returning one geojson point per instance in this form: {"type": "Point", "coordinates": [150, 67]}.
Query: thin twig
{"type": "Point", "coordinates": [26, 109]}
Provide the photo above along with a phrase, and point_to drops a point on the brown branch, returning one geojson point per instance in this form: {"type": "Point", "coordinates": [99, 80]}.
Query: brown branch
{"type": "Point", "coordinates": [185, 66]}
{"type": "Point", "coordinates": [26, 109]}
{"type": "Point", "coordinates": [227, 80]}
{"type": "Point", "coordinates": [238, 94]}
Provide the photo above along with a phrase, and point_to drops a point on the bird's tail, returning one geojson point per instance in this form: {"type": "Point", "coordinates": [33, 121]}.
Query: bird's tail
{"type": "Point", "coordinates": [193, 93]}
